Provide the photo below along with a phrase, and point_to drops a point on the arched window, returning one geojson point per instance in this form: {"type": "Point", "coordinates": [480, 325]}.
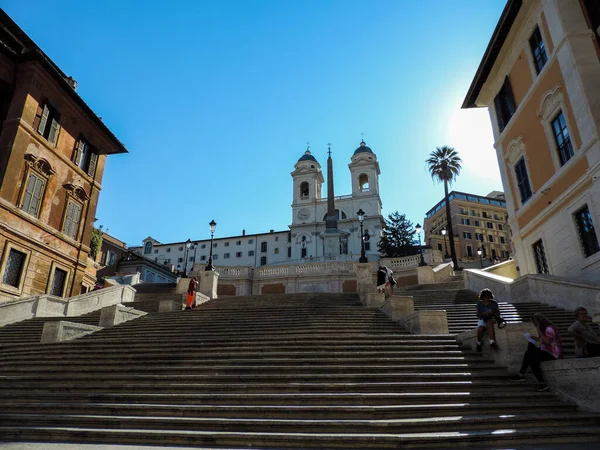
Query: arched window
{"type": "Point", "coordinates": [148, 248]}
{"type": "Point", "coordinates": [304, 190]}
{"type": "Point", "coordinates": [263, 260]}
{"type": "Point", "coordinates": [363, 182]}
{"type": "Point", "coordinates": [337, 215]}
{"type": "Point", "coordinates": [263, 247]}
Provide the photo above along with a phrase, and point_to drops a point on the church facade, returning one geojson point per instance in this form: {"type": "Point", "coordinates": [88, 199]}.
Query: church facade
{"type": "Point", "coordinates": [304, 241]}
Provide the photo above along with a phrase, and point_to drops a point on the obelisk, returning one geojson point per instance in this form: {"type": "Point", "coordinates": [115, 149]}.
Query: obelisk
{"type": "Point", "coordinates": [332, 235]}
{"type": "Point", "coordinates": [331, 219]}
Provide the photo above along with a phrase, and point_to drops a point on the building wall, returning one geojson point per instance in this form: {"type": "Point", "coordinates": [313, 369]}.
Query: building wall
{"type": "Point", "coordinates": [23, 151]}
{"type": "Point", "coordinates": [568, 82]}
{"type": "Point", "coordinates": [471, 211]}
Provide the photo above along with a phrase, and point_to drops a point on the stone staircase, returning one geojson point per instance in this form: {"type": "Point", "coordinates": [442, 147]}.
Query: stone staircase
{"type": "Point", "coordinates": [460, 306]}
{"type": "Point", "coordinates": [279, 371]}
{"type": "Point", "coordinates": [30, 331]}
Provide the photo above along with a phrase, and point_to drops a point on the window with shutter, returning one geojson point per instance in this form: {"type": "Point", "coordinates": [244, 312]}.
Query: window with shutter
{"type": "Point", "coordinates": [47, 123]}
{"type": "Point", "coordinates": [81, 153]}
{"type": "Point", "coordinates": [91, 170]}
{"type": "Point", "coordinates": [34, 192]}
{"type": "Point", "coordinates": [58, 282]}
{"type": "Point", "coordinates": [54, 129]}
{"type": "Point", "coordinates": [14, 268]}
{"type": "Point", "coordinates": [71, 223]}
{"type": "Point", "coordinates": [38, 117]}
{"type": "Point", "coordinates": [44, 120]}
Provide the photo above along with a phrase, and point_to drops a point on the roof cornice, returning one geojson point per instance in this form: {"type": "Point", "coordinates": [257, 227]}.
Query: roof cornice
{"type": "Point", "coordinates": [507, 18]}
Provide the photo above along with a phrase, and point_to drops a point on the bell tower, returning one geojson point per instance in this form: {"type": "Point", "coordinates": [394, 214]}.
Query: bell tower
{"type": "Point", "coordinates": [308, 181]}
{"type": "Point", "coordinates": [364, 170]}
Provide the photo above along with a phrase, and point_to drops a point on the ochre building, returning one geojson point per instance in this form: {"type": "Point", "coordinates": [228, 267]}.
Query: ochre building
{"type": "Point", "coordinates": [478, 223]}
{"type": "Point", "coordinates": [540, 79]}
{"type": "Point", "coordinates": [52, 154]}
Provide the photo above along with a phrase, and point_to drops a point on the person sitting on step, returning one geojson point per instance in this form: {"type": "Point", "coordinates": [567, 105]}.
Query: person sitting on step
{"type": "Point", "coordinates": [587, 343]}
{"type": "Point", "coordinates": [487, 310]}
{"type": "Point", "coordinates": [549, 350]}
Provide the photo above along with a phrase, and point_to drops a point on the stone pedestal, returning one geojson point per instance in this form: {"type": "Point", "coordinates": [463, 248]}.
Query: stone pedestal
{"type": "Point", "coordinates": [65, 331]}
{"type": "Point", "coordinates": [511, 344]}
{"type": "Point", "coordinates": [207, 283]}
{"type": "Point", "coordinates": [426, 322]}
{"type": "Point", "coordinates": [401, 307]}
{"type": "Point", "coordinates": [116, 314]}
{"type": "Point", "coordinates": [425, 275]}
{"type": "Point", "coordinates": [374, 299]}
{"type": "Point", "coordinates": [182, 286]}
{"type": "Point", "coordinates": [364, 280]}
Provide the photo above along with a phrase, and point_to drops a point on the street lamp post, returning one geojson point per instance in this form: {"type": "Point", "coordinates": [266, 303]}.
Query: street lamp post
{"type": "Point", "coordinates": [213, 227]}
{"type": "Point", "coordinates": [195, 247]}
{"type": "Point", "coordinates": [188, 244]}
{"type": "Point", "coordinates": [480, 252]}
{"type": "Point", "coordinates": [418, 229]}
{"type": "Point", "coordinates": [444, 232]}
{"type": "Point", "coordinates": [363, 256]}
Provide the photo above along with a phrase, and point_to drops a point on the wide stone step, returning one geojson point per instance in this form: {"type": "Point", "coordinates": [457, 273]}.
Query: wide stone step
{"type": "Point", "coordinates": [84, 357]}
{"type": "Point", "coordinates": [491, 436]}
{"type": "Point", "coordinates": [211, 386]}
{"type": "Point", "coordinates": [274, 399]}
{"type": "Point", "coordinates": [105, 406]}
{"type": "Point", "coordinates": [90, 364]}
{"type": "Point", "coordinates": [371, 426]}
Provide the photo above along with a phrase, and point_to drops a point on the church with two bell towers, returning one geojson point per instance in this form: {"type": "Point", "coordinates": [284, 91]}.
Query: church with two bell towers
{"type": "Point", "coordinates": [322, 228]}
{"type": "Point", "coordinates": [329, 228]}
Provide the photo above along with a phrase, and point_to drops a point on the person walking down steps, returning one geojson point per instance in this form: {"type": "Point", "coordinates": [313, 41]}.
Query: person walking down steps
{"type": "Point", "coordinates": [487, 311]}
{"type": "Point", "coordinates": [191, 294]}
{"type": "Point", "coordinates": [549, 350]}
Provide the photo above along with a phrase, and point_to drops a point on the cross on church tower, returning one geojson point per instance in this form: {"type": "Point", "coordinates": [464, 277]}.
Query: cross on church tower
{"type": "Point", "coordinates": [329, 147]}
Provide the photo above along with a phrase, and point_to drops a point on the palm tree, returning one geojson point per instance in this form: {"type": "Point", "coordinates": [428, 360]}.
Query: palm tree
{"type": "Point", "coordinates": [444, 166]}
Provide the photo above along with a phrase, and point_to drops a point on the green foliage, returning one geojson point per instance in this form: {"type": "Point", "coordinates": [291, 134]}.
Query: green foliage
{"type": "Point", "coordinates": [444, 164]}
{"type": "Point", "coordinates": [96, 243]}
{"type": "Point", "coordinates": [398, 237]}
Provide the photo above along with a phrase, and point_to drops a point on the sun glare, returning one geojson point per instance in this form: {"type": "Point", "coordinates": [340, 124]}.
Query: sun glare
{"type": "Point", "coordinates": [470, 133]}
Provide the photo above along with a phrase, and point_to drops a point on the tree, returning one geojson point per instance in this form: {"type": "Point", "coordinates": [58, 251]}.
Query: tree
{"type": "Point", "coordinates": [444, 167]}
{"type": "Point", "coordinates": [96, 242]}
{"type": "Point", "coordinates": [397, 239]}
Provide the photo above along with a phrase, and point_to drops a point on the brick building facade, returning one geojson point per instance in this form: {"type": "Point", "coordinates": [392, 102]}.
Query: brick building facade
{"type": "Point", "coordinates": [52, 154]}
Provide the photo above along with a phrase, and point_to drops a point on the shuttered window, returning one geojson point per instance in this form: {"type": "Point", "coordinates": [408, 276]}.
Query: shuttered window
{"type": "Point", "coordinates": [86, 157]}
{"type": "Point", "coordinates": [58, 282]}
{"type": "Point", "coordinates": [14, 268]}
{"type": "Point", "coordinates": [34, 192]}
{"type": "Point", "coordinates": [523, 180]}
{"type": "Point", "coordinates": [71, 225]}
{"type": "Point", "coordinates": [47, 123]}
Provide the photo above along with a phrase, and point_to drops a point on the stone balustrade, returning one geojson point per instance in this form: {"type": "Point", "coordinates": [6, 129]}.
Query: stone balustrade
{"type": "Point", "coordinates": [52, 306]}
{"type": "Point", "coordinates": [63, 330]}
{"type": "Point", "coordinates": [439, 274]}
{"type": "Point", "coordinates": [549, 289]}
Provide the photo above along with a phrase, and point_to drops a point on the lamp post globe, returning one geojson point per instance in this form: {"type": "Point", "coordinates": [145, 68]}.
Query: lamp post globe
{"type": "Point", "coordinates": [188, 244]}
{"type": "Point", "coordinates": [444, 233]}
{"type": "Point", "coordinates": [418, 229]}
{"type": "Point", "coordinates": [480, 253]}
{"type": "Point", "coordinates": [213, 227]}
{"type": "Point", "coordinates": [363, 256]}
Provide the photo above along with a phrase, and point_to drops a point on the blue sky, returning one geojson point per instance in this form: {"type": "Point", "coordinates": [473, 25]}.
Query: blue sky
{"type": "Point", "coordinates": [215, 101]}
